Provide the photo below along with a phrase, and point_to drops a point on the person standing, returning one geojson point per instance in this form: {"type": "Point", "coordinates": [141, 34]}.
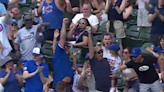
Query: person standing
{"type": "Point", "coordinates": [99, 66]}
{"type": "Point", "coordinates": [50, 8]}
{"type": "Point", "coordinates": [35, 72]}
{"type": "Point", "coordinates": [143, 66]}
{"type": "Point", "coordinates": [61, 63]}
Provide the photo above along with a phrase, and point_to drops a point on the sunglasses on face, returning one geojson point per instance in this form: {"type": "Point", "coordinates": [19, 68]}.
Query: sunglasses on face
{"type": "Point", "coordinates": [82, 23]}
{"type": "Point", "coordinates": [100, 51]}
{"type": "Point", "coordinates": [125, 52]}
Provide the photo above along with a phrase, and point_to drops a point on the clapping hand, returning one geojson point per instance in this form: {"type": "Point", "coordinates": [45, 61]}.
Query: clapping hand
{"type": "Point", "coordinates": [40, 69]}
{"type": "Point", "coordinates": [56, 33]}
{"type": "Point", "coordinates": [157, 11]}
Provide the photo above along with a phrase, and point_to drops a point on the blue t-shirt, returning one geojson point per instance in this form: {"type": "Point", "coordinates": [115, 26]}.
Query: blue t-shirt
{"type": "Point", "coordinates": [34, 84]}
{"type": "Point", "coordinates": [157, 49]}
{"type": "Point", "coordinates": [157, 24]}
{"type": "Point", "coordinates": [4, 1]}
{"type": "Point", "coordinates": [62, 65]}
{"type": "Point", "coordinates": [51, 14]}
{"type": "Point", "coordinates": [12, 84]}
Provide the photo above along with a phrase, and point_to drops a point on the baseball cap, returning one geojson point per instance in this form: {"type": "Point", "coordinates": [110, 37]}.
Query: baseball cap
{"type": "Point", "coordinates": [27, 16]}
{"type": "Point", "coordinates": [5, 60]}
{"type": "Point", "coordinates": [135, 52]}
{"type": "Point", "coordinates": [22, 61]}
{"type": "Point", "coordinates": [13, 21]}
{"type": "Point", "coordinates": [37, 51]}
{"type": "Point", "coordinates": [114, 47]}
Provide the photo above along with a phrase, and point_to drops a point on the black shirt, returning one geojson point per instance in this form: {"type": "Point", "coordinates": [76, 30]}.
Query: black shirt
{"type": "Point", "coordinates": [101, 71]}
{"type": "Point", "coordinates": [145, 70]}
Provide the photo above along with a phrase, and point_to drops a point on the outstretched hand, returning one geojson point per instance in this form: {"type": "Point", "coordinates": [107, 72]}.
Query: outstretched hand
{"type": "Point", "coordinates": [56, 33]}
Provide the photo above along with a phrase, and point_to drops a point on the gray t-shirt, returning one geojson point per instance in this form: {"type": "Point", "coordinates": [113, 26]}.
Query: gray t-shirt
{"type": "Point", "coordinates": [27, 40]}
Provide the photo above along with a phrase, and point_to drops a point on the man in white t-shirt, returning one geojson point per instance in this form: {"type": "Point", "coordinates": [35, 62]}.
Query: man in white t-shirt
{"type": "Point", "coordinates": [93, 20]}
{"type": "Point", "coordinates": [27, 38]}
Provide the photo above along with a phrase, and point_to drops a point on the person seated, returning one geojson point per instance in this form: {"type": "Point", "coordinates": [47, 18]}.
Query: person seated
{"type": "Point", "coordinates": [87, 13]}
{"type": "Point", "coordinates": [78, 33]}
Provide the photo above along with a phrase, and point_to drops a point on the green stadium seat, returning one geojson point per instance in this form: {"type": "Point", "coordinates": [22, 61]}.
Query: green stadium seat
{"type": "Point", "coordinates": [133, 32]}
{"type": "Point", "coordinates": [115, 40]}
{"type": "Point", "coordinates": [47, 50]}
{"type": "Point", "coordinates": [145, 33]}
{"type": "Point", "coordinates": [102, 28]}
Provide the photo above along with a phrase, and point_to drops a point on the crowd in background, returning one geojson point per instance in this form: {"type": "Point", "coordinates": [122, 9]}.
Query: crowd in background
{"type": "Point", "coordinates": [69, 27]}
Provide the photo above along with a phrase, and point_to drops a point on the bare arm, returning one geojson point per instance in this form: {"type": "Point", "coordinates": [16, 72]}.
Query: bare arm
{"type": "Point", "coordinates": [149, 49]}
{"type": "Point", "coordinates": [128, 12]}
{"type": "Point", "coordinates": [133, 76]}
{"type": "Point", "coordinates": [45, 25]}
{"type": "Point", "coordinates": [74, 60]}
{"type": "Point", "coordinates": [161, 17]}
{"type": "Point", "coordinates": [19, 78]}
{"type": "Point", "coordinates": [14, 2]}
{"type": "Point", "coordinates": [56, 34]}
{"type": "Point", "coordinates": [83, 43]}
{"type": "Point", "coordinates": [63, 33]}
{"type": "Point", "coordinates": [90, 44]}
{"type": "Point", "coordinates": [152, 17]}
{"type": "Point", "coordinates": [3, 80]}
{"type": "Point", "coordinates": [108, 3]}
{"type": "Point", "coordinates": [95, 28]}
{"type": "Point", "coordinates": [69, 6]}
{"type": "Point", "coordinates": [27, 75]}
{"type": "Point", "coordinates": [122, 67]}
{"type": "Point", "coordinates": [43, 79]}
{"type": "Point", "coordinates": [122, 7]}
{"type": "Point", "coordinates": [101, 7]}
{"type": "Point", "coordinates": [39, 10]}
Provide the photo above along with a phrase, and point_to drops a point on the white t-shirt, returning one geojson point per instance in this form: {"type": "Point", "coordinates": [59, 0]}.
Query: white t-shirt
{"type": "Point", "coordinates": [4, 40]}
{"type": "Point", "coordinates": [93, 20]}
{"type": "Point", "coordinates": [27, 40]}
{"type": "Point", "coordinates": [115, 60]}
{"type": "Point", "coordinates": [141, 4]}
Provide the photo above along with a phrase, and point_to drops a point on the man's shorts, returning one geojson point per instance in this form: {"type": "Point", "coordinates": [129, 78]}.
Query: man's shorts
{"type": "Point", "coordinates": [142, 19]}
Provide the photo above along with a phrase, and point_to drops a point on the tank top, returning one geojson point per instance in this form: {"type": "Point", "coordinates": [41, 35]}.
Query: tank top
{"type": "Point", "coordinates": [113, 14]}
{"type": "Point", "coordinates": [51, 14]}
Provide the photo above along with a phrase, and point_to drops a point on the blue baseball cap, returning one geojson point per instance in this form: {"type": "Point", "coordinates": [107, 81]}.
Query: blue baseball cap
{"type": "Point", "coordinates": [114, 47]}
{"type": "Point", "coordinates": [79, 65]}
{"type": "Point", "coordinates": [37, 51]}
{"type": "Point", "coordinates": [135, 52]}
{"type": "Point", "coordinates": [22, 61]}
{"type": "Point", "coordinates": [13, 21]}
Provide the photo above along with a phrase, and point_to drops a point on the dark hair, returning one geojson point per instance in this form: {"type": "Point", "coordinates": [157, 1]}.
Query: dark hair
{"type": "Point", "coordinates": [160, 38]}
{"type": "Point", "coordinates": [12, 6]}
{"type": "Point", "coordinates": [60, 86]}
{"type": "Point", "coordinates": [107, 34]}
{"type": "Point", "coordinates": [88, 24]}
{"type": "Point", "coordinates": [128, 48]}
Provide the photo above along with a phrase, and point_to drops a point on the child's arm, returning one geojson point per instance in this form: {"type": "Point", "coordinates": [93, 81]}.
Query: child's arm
{"type": "Point", "coordinates": [74, 60]}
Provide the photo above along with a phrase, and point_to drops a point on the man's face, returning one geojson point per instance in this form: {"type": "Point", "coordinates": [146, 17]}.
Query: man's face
{"type": "Point", "coordinates": [99, 53]}
{"type": "Point", "coordinates": [107, 40]}
{"type": "Point", "coordinates": [38, 57]}
{"type": "Point", "coordinates": [86, 9]}
{"type": "Point", "coordinates": [137, 59]}
{"type": "Point", "coordinates": [15, 11]}
{"type": "Point", "coordinates": [28, 23]}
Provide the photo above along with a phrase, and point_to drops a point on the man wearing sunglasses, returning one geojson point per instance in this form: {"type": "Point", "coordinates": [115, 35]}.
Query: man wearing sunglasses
{"type": "Point", "coordinates": [143, 66]}
{"type": "Point", "coordinates": [99, 66]}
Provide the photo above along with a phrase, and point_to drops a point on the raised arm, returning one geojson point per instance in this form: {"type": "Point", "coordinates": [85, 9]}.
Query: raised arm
{"type": "Point", "coordinates": [14, 2]}
{"type": "Point", "coordinates": [108, 3]}
{"type": "Point", "coordinates": [63, 32]}
{"type": "Point", "coordinates": [68, 6]}
{"type": "Point", "coordinates": [90, 43]}
{"type": "Point", "coordinates": [152, 17]}
{"type": "Point", "coordinates": [122, 7]}
{"type": "Point", "coordinates": [56, 34]}
{"type": "Point", "coordinates": [128, 12]}
{"type": "Point", "coordinates": [39, 10]}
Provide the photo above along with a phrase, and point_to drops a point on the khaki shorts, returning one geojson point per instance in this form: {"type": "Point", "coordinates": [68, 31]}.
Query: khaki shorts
{"type": "Point", "coordinates": [119, 29]}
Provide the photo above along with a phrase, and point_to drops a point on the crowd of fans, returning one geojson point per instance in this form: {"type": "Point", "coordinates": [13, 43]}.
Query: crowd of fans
{"type": "Point", "coordinates": [22, 36]}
